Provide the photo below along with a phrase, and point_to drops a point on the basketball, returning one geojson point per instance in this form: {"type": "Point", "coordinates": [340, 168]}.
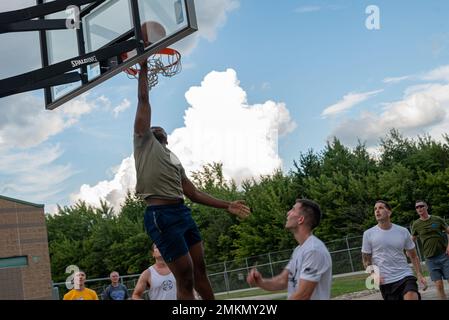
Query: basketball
{"type": "Point", "coordinates": [152, 32]}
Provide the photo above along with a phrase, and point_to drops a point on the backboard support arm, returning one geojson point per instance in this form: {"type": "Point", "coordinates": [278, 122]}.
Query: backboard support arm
{"type": "Point", "coordinates": [12, 85]}
{"type": "Point", "coordinates": [65, 78]}
{"type": "Point", "coordinates": [34, 25]}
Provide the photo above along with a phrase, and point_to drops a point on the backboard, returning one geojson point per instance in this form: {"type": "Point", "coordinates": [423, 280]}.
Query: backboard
{"type": "Point", "coordinates": [82, 41]}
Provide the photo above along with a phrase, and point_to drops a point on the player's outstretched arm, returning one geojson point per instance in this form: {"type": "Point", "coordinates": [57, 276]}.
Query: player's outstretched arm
{"type": "Point", "coordinates": [237, 208]}
{"type": "Point", "coordinates": [143, 114]}
{"type": "Point", "coordinates": [278, 282]}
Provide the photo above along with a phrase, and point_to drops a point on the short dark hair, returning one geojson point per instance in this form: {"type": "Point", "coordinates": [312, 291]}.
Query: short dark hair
{"type": "Point", "coordinates": [311, 212]}
{"type": "Point", "coordinates": [162, 138]}
{"type": "Point", "coordinates": [387, 205]}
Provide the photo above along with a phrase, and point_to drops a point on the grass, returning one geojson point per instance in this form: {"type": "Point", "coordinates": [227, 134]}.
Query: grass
{"type": "Point", "coordinates": [348, 285]}
{"type": "Point", "coordinates": [339, 286]}
{"type": "Point", "coordinates": [245, 293]}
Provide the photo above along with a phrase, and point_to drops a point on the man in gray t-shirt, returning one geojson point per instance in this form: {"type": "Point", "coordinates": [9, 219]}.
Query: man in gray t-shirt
{"type": "Point", "coordinates": [116, 290]}
{"type": "Point", "coordinates": [308, 275]}
{"type": "Point", "coordinates": [383, 250]}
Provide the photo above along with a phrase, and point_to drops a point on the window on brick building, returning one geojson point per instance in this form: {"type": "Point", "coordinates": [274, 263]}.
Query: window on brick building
{"type": "Point", "coordinates": [13, 262]}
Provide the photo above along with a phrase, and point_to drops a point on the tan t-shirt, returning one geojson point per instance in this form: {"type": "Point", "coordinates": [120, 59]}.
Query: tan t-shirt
{"type": "Point", "coordinates": [159, 171]}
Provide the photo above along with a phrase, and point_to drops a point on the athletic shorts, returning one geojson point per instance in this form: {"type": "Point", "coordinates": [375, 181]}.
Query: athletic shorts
{"type": "Point", "coordinates": [438, 267]}
{"type": "Point", "coordinates": [397, 290]}
{"type": "Point", "coordinates": [172, 229]}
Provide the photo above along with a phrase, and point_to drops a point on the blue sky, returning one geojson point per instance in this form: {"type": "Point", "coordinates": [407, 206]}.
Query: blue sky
{"type": "Point", "coordinates": [273, 77]}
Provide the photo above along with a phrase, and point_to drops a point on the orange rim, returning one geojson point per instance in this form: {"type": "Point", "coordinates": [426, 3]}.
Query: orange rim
{"type": "Point", "coordinates": [166, 51]}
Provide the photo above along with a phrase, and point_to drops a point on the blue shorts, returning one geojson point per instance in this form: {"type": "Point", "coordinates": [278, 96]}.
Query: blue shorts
{"type": "Point", "coordinates": [172, 229]}
{"type": "Point", "coordinates": [438, 267]}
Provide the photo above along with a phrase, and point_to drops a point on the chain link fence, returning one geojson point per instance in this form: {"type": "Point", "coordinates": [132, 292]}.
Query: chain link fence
{"type": "Point", "coordinates": [231, 275]}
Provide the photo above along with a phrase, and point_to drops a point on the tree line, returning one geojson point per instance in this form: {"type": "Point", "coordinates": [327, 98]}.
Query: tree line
{"type": "Point", "coordinates": [344, 181]}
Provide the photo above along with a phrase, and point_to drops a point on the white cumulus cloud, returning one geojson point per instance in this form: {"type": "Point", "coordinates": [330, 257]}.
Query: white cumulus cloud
{"type": "Point", "coordinates": [24, 122]}
{"type": "Point", "coordinates": [113, 191]}
{"type": "Point", "coordinates": [220, 126]}
{"type": "Point", "coordinates": [424, 109]}
{"type": "Point", "coordinates": [441, 73]}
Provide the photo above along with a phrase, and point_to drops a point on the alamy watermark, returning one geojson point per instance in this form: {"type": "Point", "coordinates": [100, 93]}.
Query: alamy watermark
{"type": "Point", "coordinates": [72, 281]}
{"type": "Point", "coordinates": [373, 20]}
{"type": "Point", "coordinates": [373, 280]}
{"type": "Point", "coordinates": [73, 21]}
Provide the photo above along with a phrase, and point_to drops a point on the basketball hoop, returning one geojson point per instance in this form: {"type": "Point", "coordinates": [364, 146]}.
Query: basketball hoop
{"type": "Point", "coordinates": [166, 62]}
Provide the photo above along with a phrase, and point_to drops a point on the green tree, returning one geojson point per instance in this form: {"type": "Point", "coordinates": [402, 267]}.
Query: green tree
{"type": "Point", "coordinates": [97, 240]}
{"type": "Point", "coordinates": [133, 208]}
{"type": "Point", "coordinates": [215, 224]}
{"type": "Point", "coordinates": [67, 231]}
{"type": "Point", "coordinates": [263, 231]}
{"type": "Point", "coordinates": [343, 183]}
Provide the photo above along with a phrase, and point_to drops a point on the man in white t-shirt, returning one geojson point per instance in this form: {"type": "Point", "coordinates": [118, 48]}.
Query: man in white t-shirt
{"type": "Point", "coordinates": [157, 279]}
{"type": "Point", "coordinates": [308, 275]}
{"type": "Point", "coordinates": [383, 250]}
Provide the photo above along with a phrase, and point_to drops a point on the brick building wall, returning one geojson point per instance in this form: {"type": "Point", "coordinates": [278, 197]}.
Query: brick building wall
{"type": "Point", "coordinates": [23, 235]}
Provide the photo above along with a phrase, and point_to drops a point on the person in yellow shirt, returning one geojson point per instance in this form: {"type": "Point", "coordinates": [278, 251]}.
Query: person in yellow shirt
{"type": "Point", "coordinates": [80, 292]}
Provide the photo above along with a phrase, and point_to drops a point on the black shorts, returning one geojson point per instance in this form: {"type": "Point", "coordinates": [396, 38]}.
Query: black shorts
{"type": "Point", "coordinates": [397, 290]}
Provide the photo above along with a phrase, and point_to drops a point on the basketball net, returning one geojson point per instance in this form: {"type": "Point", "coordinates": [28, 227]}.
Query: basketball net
{"type": "Point", "coordinates": [166, 62]}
